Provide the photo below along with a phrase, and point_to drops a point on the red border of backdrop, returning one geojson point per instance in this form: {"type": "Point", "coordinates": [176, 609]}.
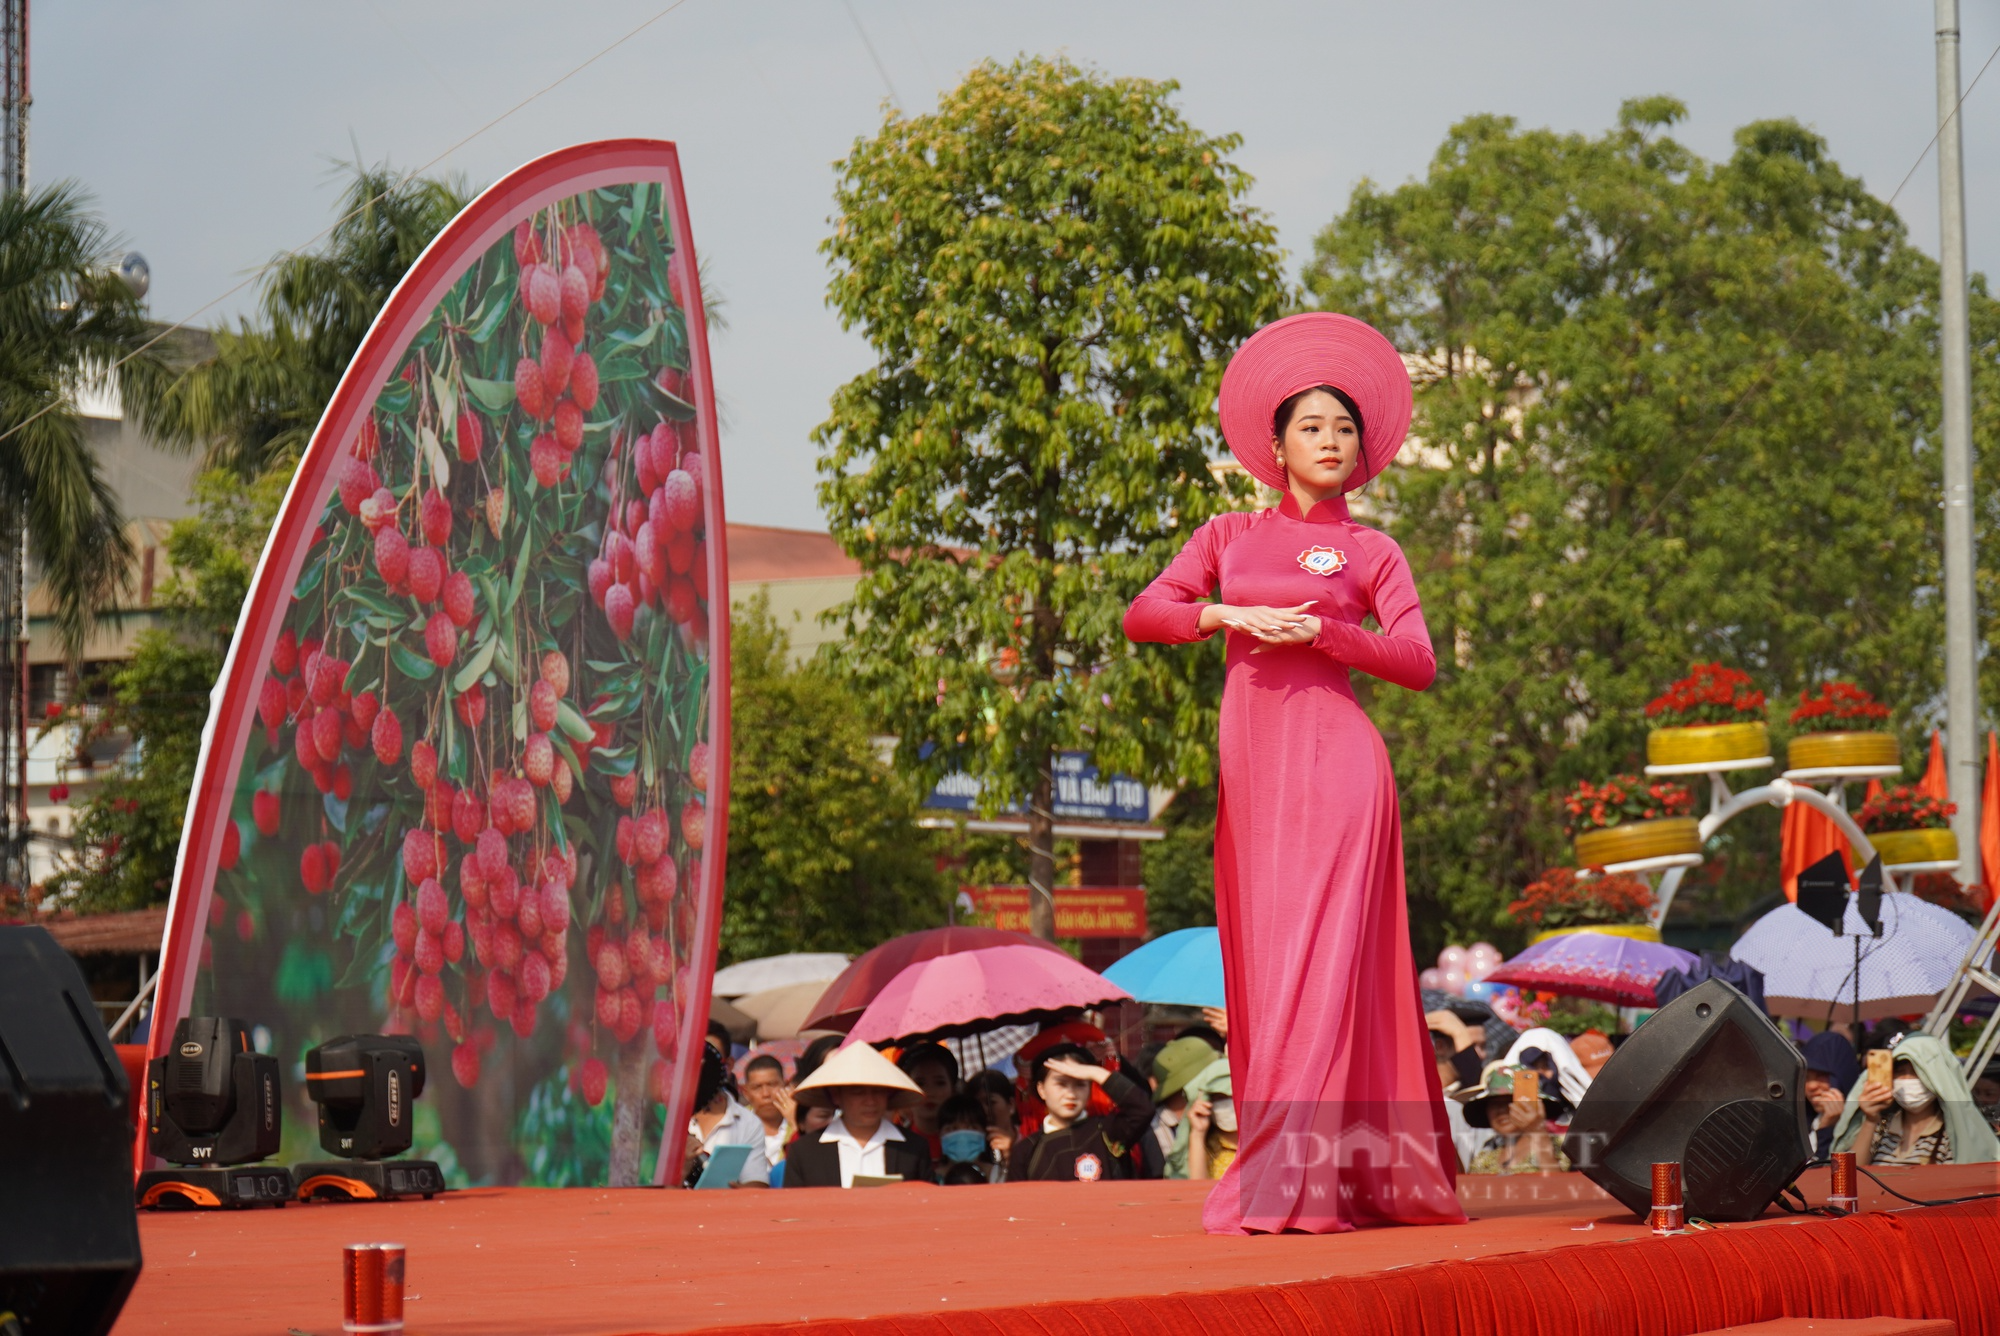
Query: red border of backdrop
{"type": "Point", "coordinates": [484, 221]}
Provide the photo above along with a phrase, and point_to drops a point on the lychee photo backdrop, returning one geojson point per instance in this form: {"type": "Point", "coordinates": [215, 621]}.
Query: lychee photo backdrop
{"type": "Point", "coordinates": [470, 748]}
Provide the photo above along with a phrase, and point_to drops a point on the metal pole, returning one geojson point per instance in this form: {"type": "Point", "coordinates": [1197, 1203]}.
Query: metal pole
{"type": "Point", "coordinates": [1961, 641]}
{"type": "Point", "coordinates": [14, 870]}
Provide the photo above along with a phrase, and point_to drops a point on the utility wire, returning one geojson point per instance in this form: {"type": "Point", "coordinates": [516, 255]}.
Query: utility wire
{"type": "Point", "coordinates": [1943, 123]}
{"type": "Point", "coordinates": [873, 55]}
{"type": "Point", "coordinates": [257, 273]}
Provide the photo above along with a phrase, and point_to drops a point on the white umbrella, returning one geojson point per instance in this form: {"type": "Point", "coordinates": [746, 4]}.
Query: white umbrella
{"type": "Point", "coordinates": [1809, 972]}
{"type": "Point", "coordinates": [780, 1012]}
{"type": "Point", "coordinates": [757, 976]}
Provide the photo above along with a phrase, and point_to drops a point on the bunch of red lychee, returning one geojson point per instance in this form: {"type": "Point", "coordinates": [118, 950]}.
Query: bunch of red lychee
{"type": "Point", "coordinates": [653, 552]}
{"type": "Point", "coordinates": [558, 386]}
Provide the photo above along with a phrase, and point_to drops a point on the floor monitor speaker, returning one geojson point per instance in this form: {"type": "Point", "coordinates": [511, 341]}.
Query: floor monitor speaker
{"type": "Point", "coordinates": [1708, 1081]}
{"type": "Point", "coordinates": [69, 1235]}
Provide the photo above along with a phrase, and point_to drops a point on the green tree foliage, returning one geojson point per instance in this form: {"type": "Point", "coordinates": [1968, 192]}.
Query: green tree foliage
{"type": "Point", "coordinates": [253, 403]}
{"type": "Point", "coordinates": [65, 319]}
{"type": "Point", "coordinates": [127, 834]}
{"type": "Point", "coordinates": [1180, 869]}
{"type": "Point", "coordinates": [1670, 410]}
{"type": "Point", "coordinates": [824, 850]}
{"type": "Point", "coordinates": [1050, 270]}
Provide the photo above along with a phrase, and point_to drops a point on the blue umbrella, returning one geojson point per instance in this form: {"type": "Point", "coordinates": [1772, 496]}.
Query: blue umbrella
{"type": "Point", "coordinates": [1182, 969]}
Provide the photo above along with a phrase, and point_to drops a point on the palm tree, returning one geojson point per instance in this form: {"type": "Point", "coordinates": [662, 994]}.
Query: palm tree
{"type": "Point", "coordinates": [252, 404]}
{"type": "Point", "coordinates": [66, 319]}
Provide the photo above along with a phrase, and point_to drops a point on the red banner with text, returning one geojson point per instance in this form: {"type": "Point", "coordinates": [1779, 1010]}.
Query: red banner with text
{"type": "Point", "coordinates": [1081, 911]}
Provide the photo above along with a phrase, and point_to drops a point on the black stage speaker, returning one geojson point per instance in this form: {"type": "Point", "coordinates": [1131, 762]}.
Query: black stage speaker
{"type": "Point", "coordinates": [1708, 1081]}
{"type": "Point", "coordinates": [69, 1236]}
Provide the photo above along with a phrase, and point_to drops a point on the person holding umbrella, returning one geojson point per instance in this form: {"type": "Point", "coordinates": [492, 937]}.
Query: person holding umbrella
{"type": "Point", "coordinates": [1329, 1057]}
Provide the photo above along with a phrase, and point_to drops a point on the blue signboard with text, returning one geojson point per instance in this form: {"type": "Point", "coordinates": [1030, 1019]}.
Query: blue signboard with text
{"type": "Point", "coordinates": [1080, 792]}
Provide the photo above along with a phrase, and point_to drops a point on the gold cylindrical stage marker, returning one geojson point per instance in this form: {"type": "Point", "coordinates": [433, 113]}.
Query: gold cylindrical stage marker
{"type": "Point", "coordinates": [372, 1289]}
{"type": "Point", "coordinates": [1845, 1194]}
{"type": "Point", "coordinates": [1667, 1205]}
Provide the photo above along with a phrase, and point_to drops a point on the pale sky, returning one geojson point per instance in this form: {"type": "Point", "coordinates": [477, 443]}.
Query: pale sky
{"type": "Point", "coordinates": [207, 129]}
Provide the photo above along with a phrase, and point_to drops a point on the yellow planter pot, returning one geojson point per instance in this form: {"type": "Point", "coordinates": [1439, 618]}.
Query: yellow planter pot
{"type": "Point", "coordinates": [1638, 932]}
{"type": "Point", "coordinates": [1915, 846]}
{"type": "Point", "coordinates": [1840, 751]}
{"type": "Point", "coordinates": [1635, 840]}
{"type": "Point", "coordinates": [1699, 744]}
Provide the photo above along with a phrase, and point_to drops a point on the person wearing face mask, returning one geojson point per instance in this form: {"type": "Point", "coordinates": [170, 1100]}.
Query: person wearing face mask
{"type": "Point", "coordinates": [1211, 1121]}
{"type": "Point", "coordinates": [1174, 1066]}
{"type": "Point", "coordinates": [967, 1143]}
{"type": "Point", "coordinates": [1925, 1115]}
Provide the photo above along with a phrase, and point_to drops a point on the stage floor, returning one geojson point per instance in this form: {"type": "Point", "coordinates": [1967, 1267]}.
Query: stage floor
{"type": "Point", "coordinates": [582, 1261]}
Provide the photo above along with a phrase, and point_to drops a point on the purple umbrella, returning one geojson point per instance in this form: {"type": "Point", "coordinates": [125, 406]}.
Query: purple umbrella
{"type": "Point", "coordinates": [1596, 965]}
{"type": "Point", "coordinates": [970, 991]}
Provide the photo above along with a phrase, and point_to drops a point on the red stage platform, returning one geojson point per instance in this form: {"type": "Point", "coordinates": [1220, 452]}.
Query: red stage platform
{"type": "Point", "coordinates": [1547, 1254]}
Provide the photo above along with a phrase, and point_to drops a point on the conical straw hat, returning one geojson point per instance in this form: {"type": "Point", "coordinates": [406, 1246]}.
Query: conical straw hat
{"type": "Point", "coordinates": [857, 1064]}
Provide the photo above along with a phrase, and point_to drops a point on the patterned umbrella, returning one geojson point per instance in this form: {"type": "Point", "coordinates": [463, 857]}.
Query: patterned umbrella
{"type": "Point", "coordinates": [1596, 965]}
{"type": "Point", "coordinates": [1809, 972]}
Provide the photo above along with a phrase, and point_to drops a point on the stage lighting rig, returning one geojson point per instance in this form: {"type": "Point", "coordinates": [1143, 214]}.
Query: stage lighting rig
{"type": "Point", "coordinates": [365, 1085]}
{"type": "Point", "coordinates": [213, 1110]}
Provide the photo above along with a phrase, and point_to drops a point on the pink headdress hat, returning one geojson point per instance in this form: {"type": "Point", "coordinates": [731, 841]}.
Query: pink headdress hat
{"type": "Point", "coordinates": [1297, 353]}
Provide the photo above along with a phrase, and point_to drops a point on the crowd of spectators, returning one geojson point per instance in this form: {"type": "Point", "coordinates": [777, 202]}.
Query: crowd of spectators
{"type": "Point", "coordinates": [1068, 1106]}
{"type": "Point", "coordinates": [1509, 1114]}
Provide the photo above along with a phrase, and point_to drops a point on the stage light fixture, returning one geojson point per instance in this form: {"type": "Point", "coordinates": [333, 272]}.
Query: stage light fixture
{"type": "Point", "coordinates": [214, 1111]}
{"type": "Point", "coordinates": [365, 1086]}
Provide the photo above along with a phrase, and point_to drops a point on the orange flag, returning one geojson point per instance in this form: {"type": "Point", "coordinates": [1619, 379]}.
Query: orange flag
{"type": "Point", "coordinates": [1935, 783]}
{"type": "Point", "coordinates": [1805, 836]}
{"type": "Point", "coordinates": [1989, 824]}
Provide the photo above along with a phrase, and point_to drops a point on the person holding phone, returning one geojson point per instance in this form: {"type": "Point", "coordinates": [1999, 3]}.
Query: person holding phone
{"type": "Point", "coordinates": [1923, 1114]}
{"type": "Point", "coordinates": [1510, 1100]}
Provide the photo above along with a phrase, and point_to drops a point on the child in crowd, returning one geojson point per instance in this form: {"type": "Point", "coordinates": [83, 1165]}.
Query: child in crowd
{"type": "Point", "coordinates": [967, 1141]}
{"type": "Point", "coordinates": [1072, 1143]}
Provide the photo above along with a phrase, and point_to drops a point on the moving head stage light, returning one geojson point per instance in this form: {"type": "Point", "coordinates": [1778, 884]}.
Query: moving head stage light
{"type": "Point", "coordinates": [365, 1085]}
{"type": "Point", "coordinates": [212, 1102]}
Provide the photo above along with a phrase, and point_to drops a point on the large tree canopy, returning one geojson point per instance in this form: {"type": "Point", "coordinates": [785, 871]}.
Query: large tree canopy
{"type": "Point", "coordinates": [1050, 271]}
{"type": "Point", "coordinates": [1670, 410]}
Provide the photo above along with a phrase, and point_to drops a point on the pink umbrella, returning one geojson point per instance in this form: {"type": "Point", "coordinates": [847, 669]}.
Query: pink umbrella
{"type": "Point", "coordinates": [970, 991]}
{"type": "Point", "coordinates": [849, 995]}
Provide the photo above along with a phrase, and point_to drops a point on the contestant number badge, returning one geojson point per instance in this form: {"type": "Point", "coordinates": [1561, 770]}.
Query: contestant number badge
{"type": "Point", "coordinates": [1322, 560]}
{"type": "Point", "coordinates": [1089, 1168]}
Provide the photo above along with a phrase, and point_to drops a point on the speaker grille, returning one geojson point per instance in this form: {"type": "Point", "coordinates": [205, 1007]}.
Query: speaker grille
{"type": "Point", "coordinates": [1733, 1151]}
